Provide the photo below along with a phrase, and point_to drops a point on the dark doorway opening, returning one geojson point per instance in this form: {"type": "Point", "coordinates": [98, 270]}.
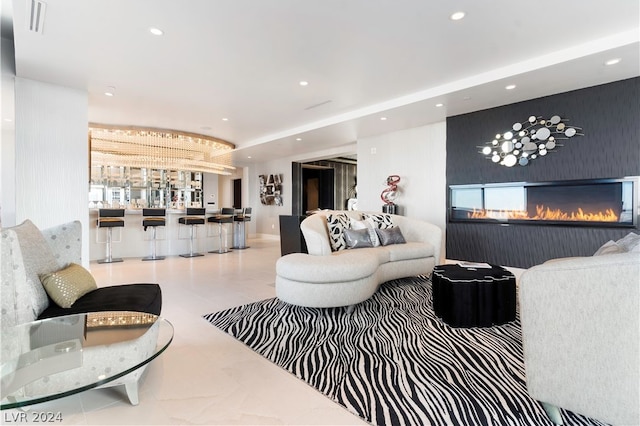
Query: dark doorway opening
{"type": "Point", "coordinates": [318, 189]}
{"type": "Point", "coordinates": [237, 193]}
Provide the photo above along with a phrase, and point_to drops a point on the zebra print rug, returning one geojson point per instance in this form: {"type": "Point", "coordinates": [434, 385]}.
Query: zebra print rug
{"type": "Point", "coordinates": [393, 362]}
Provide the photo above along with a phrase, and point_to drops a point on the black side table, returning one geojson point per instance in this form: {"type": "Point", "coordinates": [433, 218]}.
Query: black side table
{"type": "Point", "coordinates": [466, 297]}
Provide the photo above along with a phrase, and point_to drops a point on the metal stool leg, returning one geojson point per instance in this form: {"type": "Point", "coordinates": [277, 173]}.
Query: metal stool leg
{"type": "Point", "coordinates": [191, 252]}
{"type": "Point", "coordinates": [109, 258]}
{"type": "Point", "coordinates": [222, 249]}
{"type": "Point", "coordinates": [153, 247]}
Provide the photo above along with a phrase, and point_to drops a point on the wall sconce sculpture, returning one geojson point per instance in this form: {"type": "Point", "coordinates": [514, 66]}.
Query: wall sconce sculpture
{"type": "Point", "coordinates": [529, 140]}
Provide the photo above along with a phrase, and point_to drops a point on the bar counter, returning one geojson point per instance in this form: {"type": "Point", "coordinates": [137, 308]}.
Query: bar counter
{"type": "Point", "coordinates": [173, 239]}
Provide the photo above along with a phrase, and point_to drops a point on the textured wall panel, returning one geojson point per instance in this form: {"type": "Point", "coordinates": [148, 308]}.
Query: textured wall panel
{"type": "Point", "coordinates": [52, 156]}
{"type": "Point", "coordinates": [610, 148]}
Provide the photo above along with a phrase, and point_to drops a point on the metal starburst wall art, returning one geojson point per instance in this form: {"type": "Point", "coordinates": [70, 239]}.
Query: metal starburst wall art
{"type": "Point", "coordinates": [528, 140]}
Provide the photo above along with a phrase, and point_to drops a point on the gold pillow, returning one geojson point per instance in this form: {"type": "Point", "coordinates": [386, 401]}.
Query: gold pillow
{"type": "Point", "coordinates": [68, 285]}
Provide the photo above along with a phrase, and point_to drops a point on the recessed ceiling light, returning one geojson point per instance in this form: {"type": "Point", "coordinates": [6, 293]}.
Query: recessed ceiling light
{"type": "Point", "coordinates": [225, 119]}
{"type": "Point", "coordinates": [156, 31]}
{"type": "Point", "coordinates": [510, 87]}
{"type": "Point", "coordinates": [456, 16]}
{"type": "Point", "coordinates": [439, 105]}
{"type": "Point", "coordinates": [383, 118]}
{"type": "Point", "coordinates": [248, 156]}
{"type": "Point", "coordinates": [304, 83]}
{"type": "Point", "coordinates": [298, 139]}
{"type": "Point", "coordinates": [110, 91]}
{"type": "Point", "coordinates": [613, 61]}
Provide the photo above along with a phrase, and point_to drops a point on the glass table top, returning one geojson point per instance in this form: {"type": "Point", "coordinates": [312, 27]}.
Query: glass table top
{"type": "Point", "coordinates": [57, 357]}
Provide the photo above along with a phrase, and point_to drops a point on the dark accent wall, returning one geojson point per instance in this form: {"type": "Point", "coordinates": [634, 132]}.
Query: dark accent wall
{"type": "Point", "coordinates": [609, 115]}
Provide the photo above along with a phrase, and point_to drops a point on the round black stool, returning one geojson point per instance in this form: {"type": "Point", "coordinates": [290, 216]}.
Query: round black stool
{"type": "Point", "coordinates": [109, 219]}
{"type": "Point", "coordinates": [152, 218]}
{"type": "Point", "coordinates": [194, 217]}
{"type": "Point", "coordinates": [225, 216]}
{"type": "Point", "coordinates": [473, 297]}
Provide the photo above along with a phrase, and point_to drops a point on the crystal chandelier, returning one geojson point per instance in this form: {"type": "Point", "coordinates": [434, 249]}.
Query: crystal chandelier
{"type": "Point", "coordinates": [158, 149]}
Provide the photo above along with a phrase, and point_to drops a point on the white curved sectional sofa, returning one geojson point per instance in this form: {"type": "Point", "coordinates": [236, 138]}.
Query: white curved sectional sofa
{"type": "Point", "coordinates": [325, 278]}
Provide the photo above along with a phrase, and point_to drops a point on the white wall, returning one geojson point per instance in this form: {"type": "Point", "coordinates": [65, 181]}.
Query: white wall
{"type": "Point", "coordinates": [418, 156]}
{"type": "Point", "coordinates": [52, 156]}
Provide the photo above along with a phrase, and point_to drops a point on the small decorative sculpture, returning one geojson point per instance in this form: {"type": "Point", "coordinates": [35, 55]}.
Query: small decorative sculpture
{"type": "Point", "coordinates": [528, 140]}
{"type": "Point", "coordinates": [390, 193]}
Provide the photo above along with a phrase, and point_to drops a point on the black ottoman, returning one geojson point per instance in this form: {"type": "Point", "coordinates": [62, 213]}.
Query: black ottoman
{"type": "Point", "coordinates": [466, 297]}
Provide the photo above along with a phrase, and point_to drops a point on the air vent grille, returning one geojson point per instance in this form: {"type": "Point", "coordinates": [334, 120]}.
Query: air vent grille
{"type": "Point", "coordinates": [36, 15]}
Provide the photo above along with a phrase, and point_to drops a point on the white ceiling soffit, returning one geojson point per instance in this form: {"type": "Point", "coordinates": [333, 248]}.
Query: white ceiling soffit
{"type": "Point", "coordinates": [242, 60]}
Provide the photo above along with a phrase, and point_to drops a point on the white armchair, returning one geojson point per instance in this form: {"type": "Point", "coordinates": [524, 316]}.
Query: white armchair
{"type": "Point", "coordinates": [581, 330]}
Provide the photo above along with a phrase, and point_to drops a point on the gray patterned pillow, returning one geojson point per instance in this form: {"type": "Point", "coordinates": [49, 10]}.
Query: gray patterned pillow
{"type": "Point", "coordinates": [38, 259]}
{"type": "Point", "coordinates": [336, 224]}
{"type": "Point", "coordinates": [382, 221]}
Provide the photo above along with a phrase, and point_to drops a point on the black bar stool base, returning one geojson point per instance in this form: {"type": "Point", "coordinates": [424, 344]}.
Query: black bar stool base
{"type": "Point", "coordinates": [114, 260]}
{"type": "Point", "coordinates": [240, 248]}
{"type": "Point", "coordinates": [191, 255]}
{"type": "Point", "coordinates": [153, 258]}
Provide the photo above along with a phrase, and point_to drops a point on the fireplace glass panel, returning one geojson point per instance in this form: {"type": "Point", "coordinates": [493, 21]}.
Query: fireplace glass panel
{"type": "Point", "coordinates": [602, 202]}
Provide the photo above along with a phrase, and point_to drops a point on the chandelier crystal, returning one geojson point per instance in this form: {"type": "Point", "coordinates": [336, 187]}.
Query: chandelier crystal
{"type": "Point", "coordinates": [158, 149]}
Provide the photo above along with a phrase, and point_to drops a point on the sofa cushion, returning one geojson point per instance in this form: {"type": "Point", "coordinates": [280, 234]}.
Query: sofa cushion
{"type": "Point", "coordinates": [630, 243]}
{"type": "Point", "coordinates": [409, 251]}
{"type": "Point", "coordinates": [390, 236]}
{"type": "Point", "coordinates": [336, 224]}
{"type": "Point", "coordinates": [346, 265]}
{"type": "Point", "coordinates": [610, 247]}
{"type": "Point", "coordinates": [129, 297]}
{"type": "Point", "coordinates": [68, 284]}
{"type": "Point", "coordinates": [38, 259]}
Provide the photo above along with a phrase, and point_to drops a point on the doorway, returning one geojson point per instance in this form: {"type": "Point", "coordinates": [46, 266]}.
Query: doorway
{"type": "Point", "coordinates": [318, 189]}
{"type": "Point", "coordinates": [237, 193]}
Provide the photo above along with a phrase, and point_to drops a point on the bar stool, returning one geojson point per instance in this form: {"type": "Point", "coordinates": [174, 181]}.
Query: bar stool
{"type": "Point", "coordinates": [225, 216]}
{"type": "Point", "coordinates": [194, 217]}
{"type": "Point", "coordinates": [240, 237]}
{"type": "Point", "coordinates": [110, 218]}
{"type": "Point", "coordinates": [153, 218]}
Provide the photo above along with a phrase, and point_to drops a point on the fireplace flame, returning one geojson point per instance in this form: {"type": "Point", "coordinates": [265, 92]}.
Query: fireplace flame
{"type": "Point", "coordinates": [545, 213]}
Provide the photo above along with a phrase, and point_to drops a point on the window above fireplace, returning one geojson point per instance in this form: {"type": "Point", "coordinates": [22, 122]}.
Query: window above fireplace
{"type": "Point", "coordinates": [595, 202]}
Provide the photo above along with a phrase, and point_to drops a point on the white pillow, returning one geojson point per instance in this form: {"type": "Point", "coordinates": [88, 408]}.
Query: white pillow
{"type": "Point", "coordinates": [610, 247]}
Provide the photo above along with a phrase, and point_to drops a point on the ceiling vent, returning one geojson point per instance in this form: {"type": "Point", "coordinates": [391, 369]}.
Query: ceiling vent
{"type": "Point", "coordinates": [36, 15]}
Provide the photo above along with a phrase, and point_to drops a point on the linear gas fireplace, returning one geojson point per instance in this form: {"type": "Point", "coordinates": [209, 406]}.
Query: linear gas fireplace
{"type": "Point", "coordinates": [596, 202]}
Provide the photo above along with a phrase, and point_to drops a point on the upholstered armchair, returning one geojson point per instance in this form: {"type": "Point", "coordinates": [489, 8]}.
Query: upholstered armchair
{"type": "Point", "coordinates": [580, 328]}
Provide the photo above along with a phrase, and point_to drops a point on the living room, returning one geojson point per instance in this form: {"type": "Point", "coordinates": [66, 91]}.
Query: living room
{"type": "Point", "coordinates": [237, 386]}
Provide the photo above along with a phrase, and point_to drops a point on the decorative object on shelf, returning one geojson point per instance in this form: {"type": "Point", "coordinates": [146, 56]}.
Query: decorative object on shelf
{"type": "Point", "coordinates": [271, 189]}
{"type": "Point", "coordinates": [158, 149]}
{"type": "Point", "coordinates": [533, 138]}
{"type": "Point", "coordinates": [390, 194]}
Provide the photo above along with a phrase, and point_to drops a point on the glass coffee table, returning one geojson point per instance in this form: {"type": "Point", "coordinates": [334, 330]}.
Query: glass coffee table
{"type": "Point", "coordinates": [57, 357]}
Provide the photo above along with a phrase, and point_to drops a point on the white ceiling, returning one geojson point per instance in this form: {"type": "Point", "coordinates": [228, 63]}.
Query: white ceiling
{"type": "Point", "coordinates": [364, 59]}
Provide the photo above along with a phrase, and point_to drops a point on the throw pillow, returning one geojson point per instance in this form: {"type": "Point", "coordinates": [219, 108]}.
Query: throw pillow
{"type": "Point", "coordinates": [337, 223]}
{"type": "Point", "coordinates": [390, 236]}
{"type": "Point", "coordinates": [357, 238]}
{"type": "Point", "coordinates": [369, 226]}
{"type": "Point", "coordinates": [38, 259]}
{"type": "Point", "coordinates": [381, 221]}
{"type": "Point", "coordinates": [610, 247]}
{"type": "Point", "coordinates": [68, 285]}
{"type": "Point", "coordinates": [630, 243]}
